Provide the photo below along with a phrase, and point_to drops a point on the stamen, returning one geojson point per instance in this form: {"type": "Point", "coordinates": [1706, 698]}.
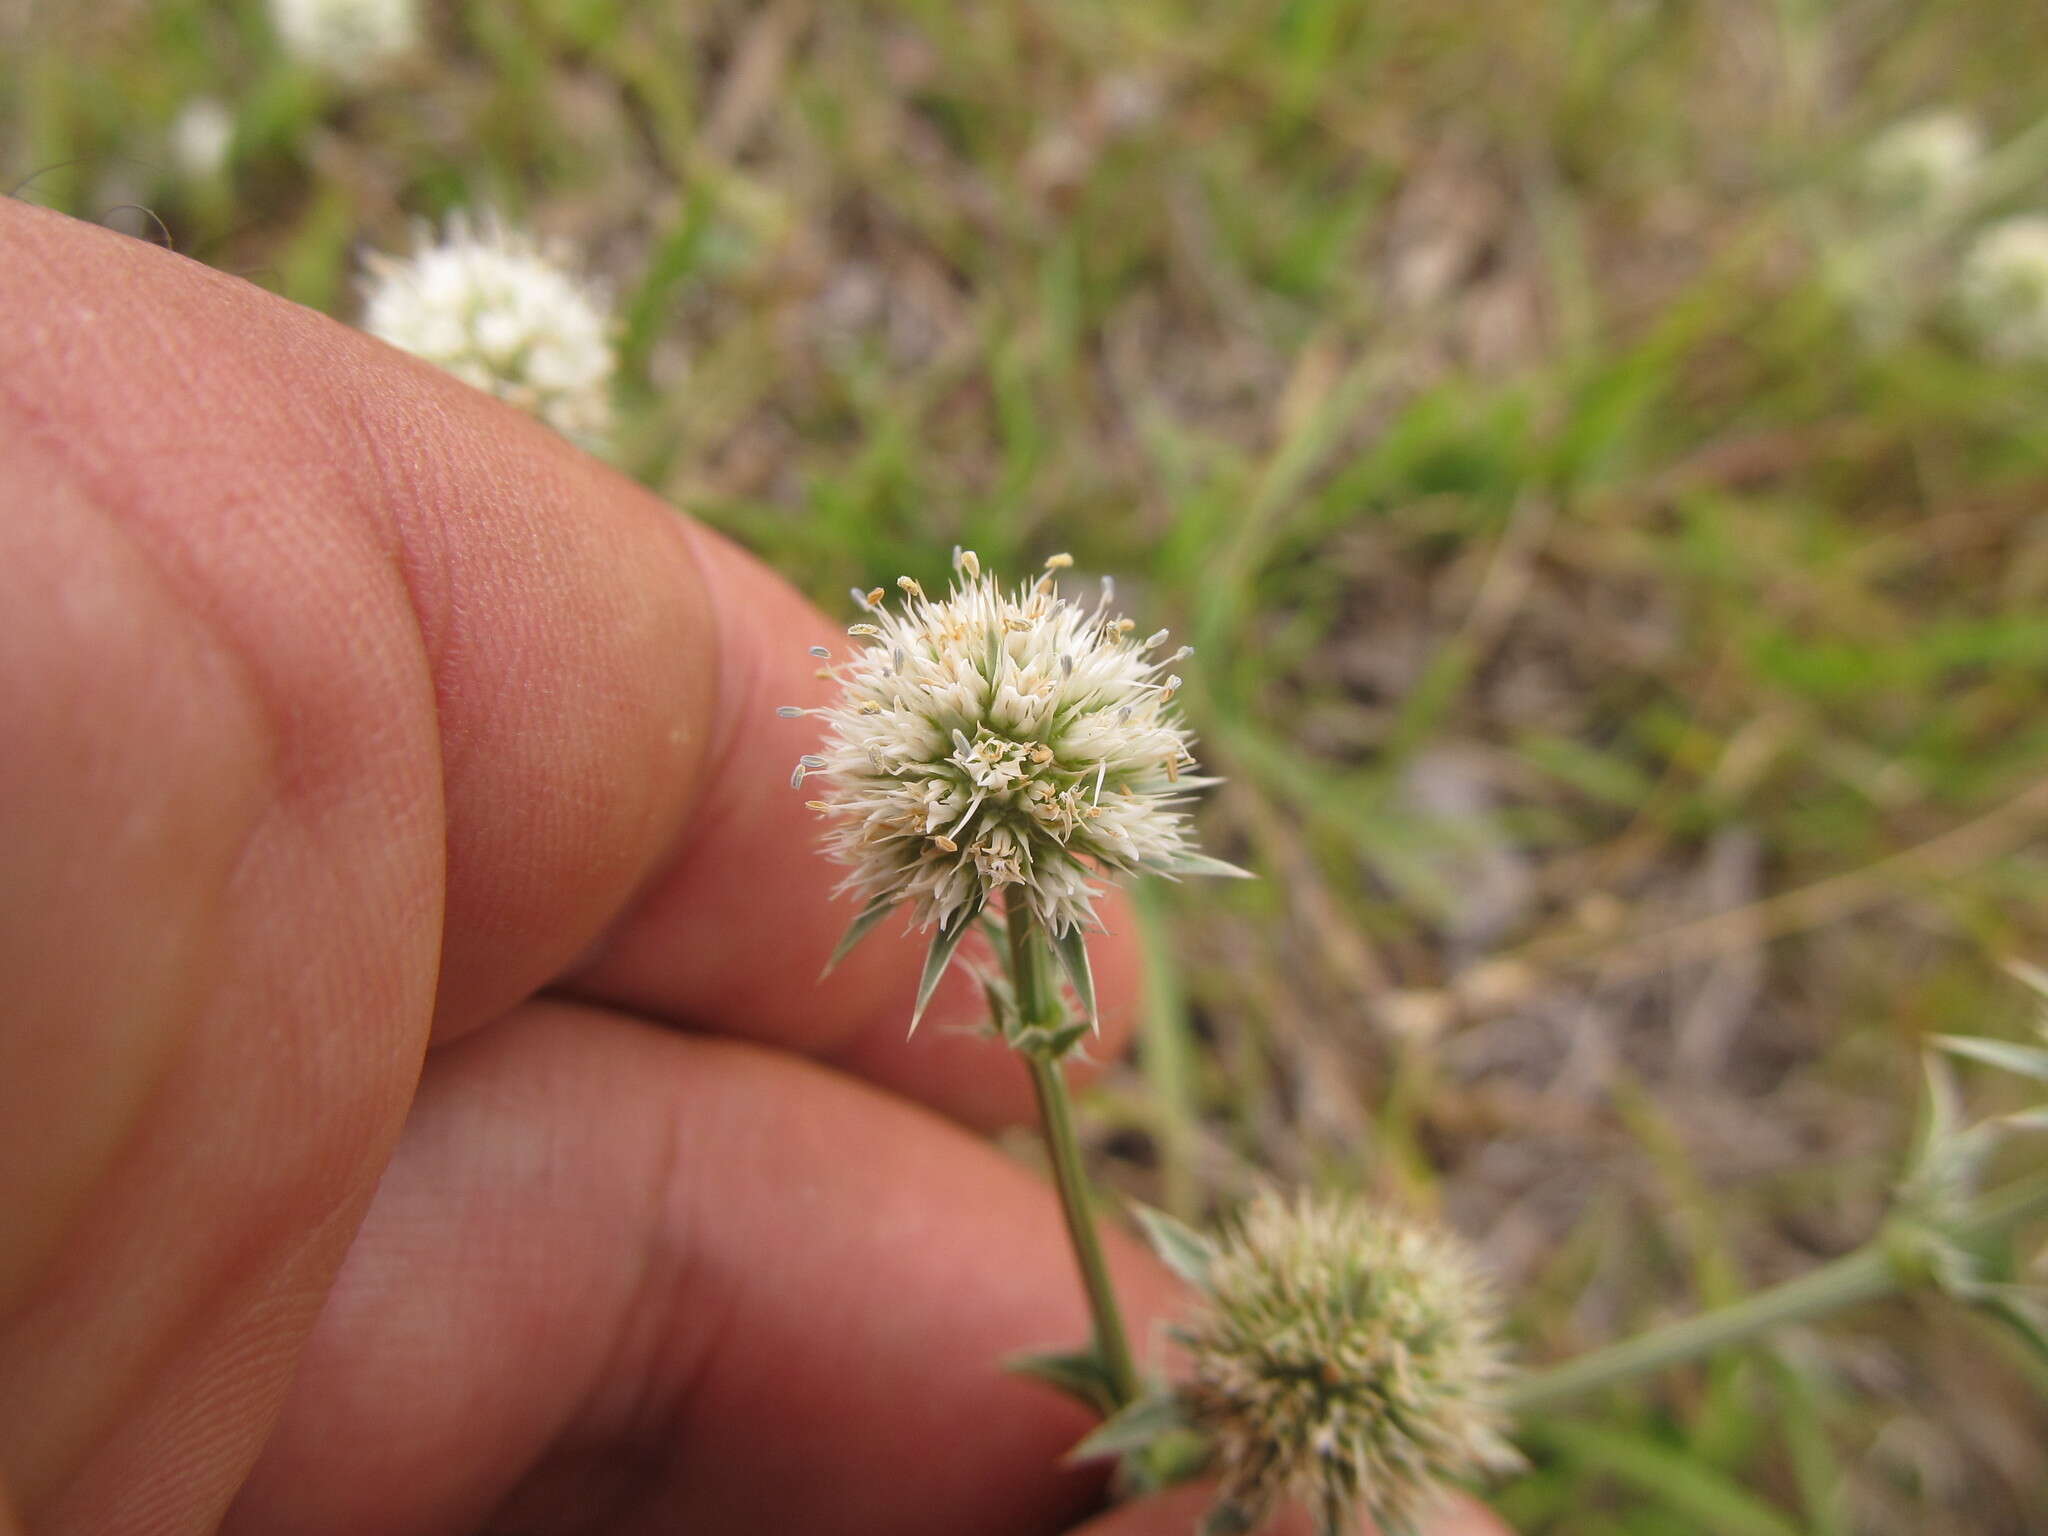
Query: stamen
{"type": "Point", "coordinates": [867, 630]}
{"type": "Point", "coordinates": [820, 652]}
{"type": "Point", "coordinates": [910, 585]}
{"type": "Point", "coordinates": [790, 711]}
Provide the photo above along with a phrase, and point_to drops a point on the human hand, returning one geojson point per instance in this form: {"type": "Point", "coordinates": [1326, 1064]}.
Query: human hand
{"type": "Point", "coordinates": [417, 1112]}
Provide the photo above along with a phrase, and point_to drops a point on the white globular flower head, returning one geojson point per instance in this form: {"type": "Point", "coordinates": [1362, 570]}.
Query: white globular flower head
{"type": "Point", "coordinates": [1345, 1358]}
{"type": "Point", "coordinates": [201, 135]}
{"type": "Point", "coordinates": [1924, 164]}
{"type": "Point", "coordinates": [1015, 743]}
{"type": "Point", "coordinates": [354, 42]}
{"type": "Point", "coordinates": [500, 312]}
{"type": "Point", "coordinates": [2003, 287]}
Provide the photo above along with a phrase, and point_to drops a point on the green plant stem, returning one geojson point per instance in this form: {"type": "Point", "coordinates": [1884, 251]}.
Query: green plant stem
{"type": "Point", "coordinates": [1865, 1275]}
{"type": "Point", "coordinates": [1036, 1003]}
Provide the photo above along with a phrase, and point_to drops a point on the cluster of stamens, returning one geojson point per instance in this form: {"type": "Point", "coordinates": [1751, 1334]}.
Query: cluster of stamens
{"type": "Point", "coordinates": [989, 741]}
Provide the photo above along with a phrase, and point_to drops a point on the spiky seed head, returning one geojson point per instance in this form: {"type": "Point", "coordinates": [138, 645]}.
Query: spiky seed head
{"type": "Point", "coordinates": [353, 42]}
{"type": "Point", "coordinates": [1924, 164]}
{"type": "Point", "coordinates": [1015, 742]}
{"type": "Point", "coordinates": [2003, 287]}
{"type": "Point", "coordinates": [493, 307]}
{"type": "Point", "coordinates": [1345, 1358]}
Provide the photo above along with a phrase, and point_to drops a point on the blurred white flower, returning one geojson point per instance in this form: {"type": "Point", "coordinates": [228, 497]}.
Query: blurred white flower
{"type": "Point", "coordinates": [1924, 164]}
{"type": "Point", "coordinates": [200, 137]}
{"type": "Point", "coordinates": [1016, 742]}
{"type": "Point", "coordinates": [355, 42]}
{"type": "Point", "coordinates": [2003, 287]}
{"type": "Point", "coordinates": [498, 311]}
{"type": "Point", "coordinates": [1343, 1357]}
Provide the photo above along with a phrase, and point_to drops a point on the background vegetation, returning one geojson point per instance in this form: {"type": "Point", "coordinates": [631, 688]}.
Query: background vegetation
{"type": "Point", "coordinates": [1622, 601]}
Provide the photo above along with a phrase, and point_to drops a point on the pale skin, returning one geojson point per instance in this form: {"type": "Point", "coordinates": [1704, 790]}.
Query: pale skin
{"type": "Point", "coordinates": [418, 1113]}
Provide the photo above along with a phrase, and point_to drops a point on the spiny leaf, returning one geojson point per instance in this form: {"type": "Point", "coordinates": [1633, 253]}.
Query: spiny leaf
{"type": "Point", "coordinates": [857, 930]}
{"type": "Point", "coordinates": [1180, 1247]}
{"type": "Point", "coordinates": [1080, 1373]}
{"type": "Point", "coordinates": [1073, 952]}
{"type": "Point", "coordinates": [1133, 1427]}
{"type": "Point", "coordinates": [2031, 975]}
{"type": "Point", "coordinates": [939, 956]}
{"type": "Point", "coordinates": [1202, 864]}
{"type": "Point", "coordinates": [2028, 1060]}
{"type": "Point", "coordinates": [2021, 1309]}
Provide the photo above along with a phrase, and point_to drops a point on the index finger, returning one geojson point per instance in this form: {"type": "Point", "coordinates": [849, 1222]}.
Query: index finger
{"type": "Point", "coordinates": [414, 580]}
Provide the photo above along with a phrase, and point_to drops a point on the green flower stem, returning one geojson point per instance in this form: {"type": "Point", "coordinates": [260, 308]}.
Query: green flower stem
{"type": "Point", "coordinates": [1038, 1007]}
{"type": "Point", "coordinates": [1865, 1275]}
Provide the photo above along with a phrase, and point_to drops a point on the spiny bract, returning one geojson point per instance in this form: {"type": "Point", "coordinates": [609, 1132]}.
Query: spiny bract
{"type": "Point", "coordinates": [1015, 742]}
{"type": "Point", "coordinates": [1343, 1357]}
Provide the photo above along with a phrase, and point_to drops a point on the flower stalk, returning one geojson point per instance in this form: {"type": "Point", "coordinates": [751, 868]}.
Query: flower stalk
{"type": "Point", "coordinates": [1038, 1008]}
{"type": "Point", "coordinates": [1871, 1272]}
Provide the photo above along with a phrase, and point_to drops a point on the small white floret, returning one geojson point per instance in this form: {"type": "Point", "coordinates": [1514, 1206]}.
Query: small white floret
{"type": "Point", "coordinates": [201, 136]}
{"type": "Point", "coordinates": [354, 42]}
{"type": "Point", "coordinates": [2003, 288]}
{"type": "Point", "coordinates": [1923, 165]}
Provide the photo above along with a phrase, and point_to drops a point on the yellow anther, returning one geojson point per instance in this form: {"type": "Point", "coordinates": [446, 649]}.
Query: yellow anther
{"type": "Point", "coordinates": [1041, 754]}
{"type": "Point", "coordinates": [876, 594]}
{"type": "Point", "coordinates": [1058, 562]}
{"type": "Point", "coordinates": [909, 584]}
{"type": "Point", "coordinates": [945, 842]}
